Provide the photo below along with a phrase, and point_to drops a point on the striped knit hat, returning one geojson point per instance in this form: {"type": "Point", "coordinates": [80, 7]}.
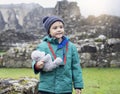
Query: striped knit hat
{"type": "Point", "coordinates": [48, 21]}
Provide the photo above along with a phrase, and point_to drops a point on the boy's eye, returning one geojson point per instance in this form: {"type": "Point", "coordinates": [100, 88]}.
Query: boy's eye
{"type": "Point", "coordinates": [55, 27]}
{"type": "Point", "coordinates": [61, 26]}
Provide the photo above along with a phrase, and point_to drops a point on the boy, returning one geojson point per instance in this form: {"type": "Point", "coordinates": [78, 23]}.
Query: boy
{"type": "Point", "coordinates": [61, 79]}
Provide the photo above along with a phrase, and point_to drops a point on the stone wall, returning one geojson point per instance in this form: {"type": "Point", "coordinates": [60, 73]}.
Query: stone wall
{"type": "Point", "coordinates": [18, 56]}
{"type": "Point", "coordinates": [98, 52]}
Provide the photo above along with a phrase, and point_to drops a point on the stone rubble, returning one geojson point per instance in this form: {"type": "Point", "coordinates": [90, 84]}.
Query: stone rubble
{"type": "Point", "coordinates": [20, 86]}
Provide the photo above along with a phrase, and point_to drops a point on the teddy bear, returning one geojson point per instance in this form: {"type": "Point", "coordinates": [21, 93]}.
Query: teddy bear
{"type": "Point", "coordinates": [49, 65]}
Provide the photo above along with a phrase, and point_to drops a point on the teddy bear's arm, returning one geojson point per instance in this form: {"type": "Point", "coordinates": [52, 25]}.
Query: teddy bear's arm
{"type": "Point", "coordinates": [49, 66]}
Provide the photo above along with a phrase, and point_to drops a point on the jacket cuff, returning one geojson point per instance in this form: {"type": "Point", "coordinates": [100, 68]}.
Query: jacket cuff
{"type": "Point", "coordinates": [35, 67]}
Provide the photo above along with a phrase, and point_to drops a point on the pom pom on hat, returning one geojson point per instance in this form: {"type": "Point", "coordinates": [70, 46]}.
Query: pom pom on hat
{"type": "Point", "coordinates": [48, 21]}
{"type": "Point", "coordinates": [44, 19]}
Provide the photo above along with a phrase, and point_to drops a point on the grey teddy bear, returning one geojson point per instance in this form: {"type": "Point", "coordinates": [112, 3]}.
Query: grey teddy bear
{"type": "Point", "coordinates": [49, 65]}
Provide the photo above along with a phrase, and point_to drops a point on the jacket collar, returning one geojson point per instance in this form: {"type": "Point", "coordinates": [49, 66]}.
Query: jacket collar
{"type": "Point", "coordinates": [55, 41]}
{"type": "Point", "coordinates": [63, 43]}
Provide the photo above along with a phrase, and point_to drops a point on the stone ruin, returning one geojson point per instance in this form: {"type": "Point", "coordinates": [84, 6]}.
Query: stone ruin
{"type": "Point", "coordinates": [10, 38]}
{"type": "Point", "coordinates": [98, 52]}
{"type": "Point", "coordinates": [21, 86]}
{"type": "Point", "coordinates": [18, 56]}
{"type": "Point", "coordinates": [96, 38]}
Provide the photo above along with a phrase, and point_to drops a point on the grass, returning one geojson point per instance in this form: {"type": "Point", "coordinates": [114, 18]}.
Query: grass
{"type": "Point", "coordinates": [101, 81]}
{"type": "Point", "coordinates": [16, 73]}
{"type": "Point", "coordinates": [96, 80]}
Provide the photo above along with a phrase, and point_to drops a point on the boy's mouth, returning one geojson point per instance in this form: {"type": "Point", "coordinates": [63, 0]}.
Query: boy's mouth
{"type": "Point", "coordinates": [59, 33]}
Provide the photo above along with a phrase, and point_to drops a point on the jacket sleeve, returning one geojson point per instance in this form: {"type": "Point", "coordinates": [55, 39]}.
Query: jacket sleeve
{"type": "Point", "coordinates": [39, 47]}
{"type": "Point", "coordinates": [33, 67]}
{"type": "Point", "coordinates": [76, 69]}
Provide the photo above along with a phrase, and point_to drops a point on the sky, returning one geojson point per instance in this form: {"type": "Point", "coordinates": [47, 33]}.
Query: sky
{"type": "Point", "coordinates": [87, 7]}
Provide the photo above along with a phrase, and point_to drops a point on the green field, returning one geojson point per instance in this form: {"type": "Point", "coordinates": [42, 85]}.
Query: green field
{"type": "Point", "coordinates": [96, 80]}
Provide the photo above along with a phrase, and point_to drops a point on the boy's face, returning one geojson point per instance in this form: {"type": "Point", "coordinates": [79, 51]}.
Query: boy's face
{"type": "Point", "coordinates": [57, 29]}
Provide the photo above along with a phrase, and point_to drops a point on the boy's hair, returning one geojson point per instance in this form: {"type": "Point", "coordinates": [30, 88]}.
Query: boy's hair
{"type": "Point", "coordinates": [49, 20]}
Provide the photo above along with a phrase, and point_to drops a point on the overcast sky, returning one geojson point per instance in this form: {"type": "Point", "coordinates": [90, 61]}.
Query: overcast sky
{"type": "Point", "coordinates": [87, 7]}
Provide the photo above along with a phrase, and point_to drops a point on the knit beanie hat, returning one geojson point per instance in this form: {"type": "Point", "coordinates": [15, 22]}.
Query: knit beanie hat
{"type": "Point", "coordinates": [48, 21]}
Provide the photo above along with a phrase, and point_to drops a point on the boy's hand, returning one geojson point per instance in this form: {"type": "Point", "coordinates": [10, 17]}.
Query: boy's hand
{"type": "Point", "coordinates": [78, 91]}
{"type": "Point", "coordinates": [39, 65]}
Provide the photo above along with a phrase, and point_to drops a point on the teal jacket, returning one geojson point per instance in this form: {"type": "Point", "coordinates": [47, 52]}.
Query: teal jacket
{"type": "Point", "coordinates": [63, 78]}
